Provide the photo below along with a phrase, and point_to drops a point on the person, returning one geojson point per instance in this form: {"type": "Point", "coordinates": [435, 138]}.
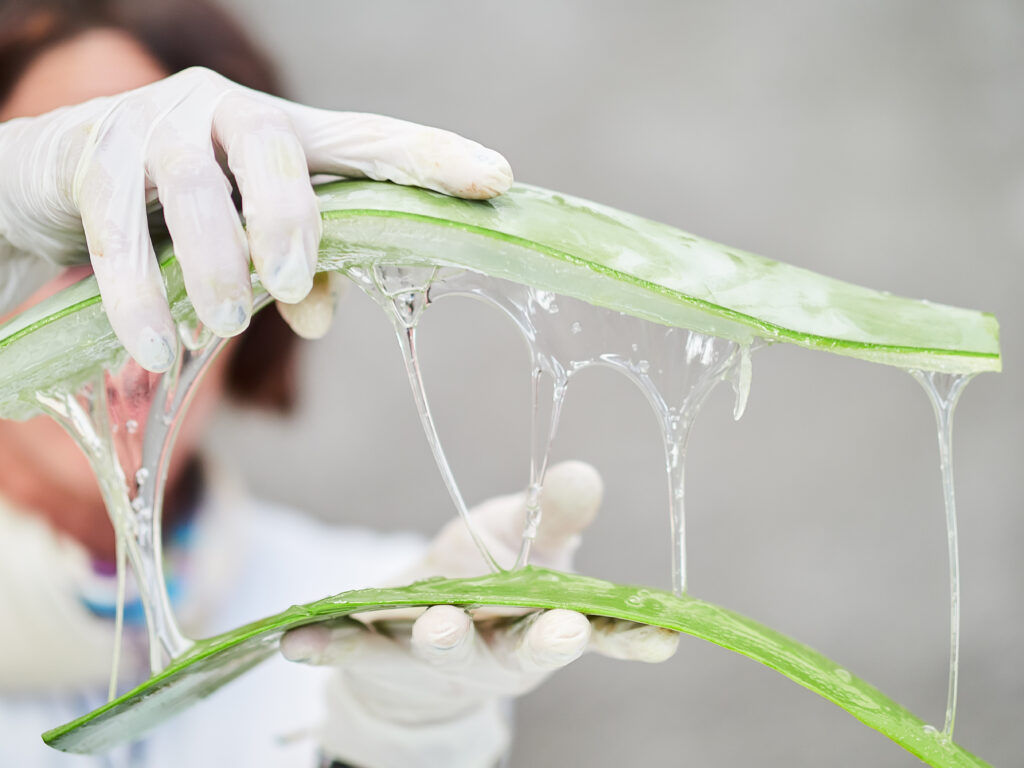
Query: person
{"type": "Point", "coordinates": [114, 115]}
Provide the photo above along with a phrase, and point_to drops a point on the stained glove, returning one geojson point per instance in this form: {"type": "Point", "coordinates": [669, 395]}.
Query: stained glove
{"type": "Point", "coordinates": [430, 688]}
{"type": "Point", "coordinates": [84, 175]}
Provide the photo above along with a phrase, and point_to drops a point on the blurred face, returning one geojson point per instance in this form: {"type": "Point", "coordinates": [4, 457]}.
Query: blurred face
{"type": "Point", "coordinates": [43, 471]}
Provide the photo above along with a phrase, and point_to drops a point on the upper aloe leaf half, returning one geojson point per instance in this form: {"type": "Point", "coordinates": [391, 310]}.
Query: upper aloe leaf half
{"type": "Point", "coordinates": [561, 244]}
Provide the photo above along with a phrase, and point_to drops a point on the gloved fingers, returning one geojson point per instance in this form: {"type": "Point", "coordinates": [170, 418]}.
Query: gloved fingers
{"type": "Point", "coordinates": [385, 658]}
{"type": "Point", "coordinates": [209, 242]}
{"type": "Point", "coordinates": [386, 149]}
{"type": "Point", "coordinates": [382, 650]}
{"type": "Point", "coordinates": [540, 643]}
{"type": "Point", "coordinates": [452, 553]}
{"type": "Point", "coordinates": [311, 318]}
{"type": "Point", "coordinates": [112, 205]}
{"type": "Point", "coordinates": [570, 499]}
{"type": "Point", "coordinates": [282, 216]}
{"type": "Point", "coordinates": [631, 641]}
{"type": "Point", "coordinates": [444, 636]}
{"type": "Point", "coordinates": [462, 658]}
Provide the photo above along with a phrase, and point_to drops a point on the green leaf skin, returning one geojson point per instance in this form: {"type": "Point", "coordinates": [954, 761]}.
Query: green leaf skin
{"type": "Point", "coordinates": [213, 662]}
{"type": "Point", "coordinates": [560, 244]}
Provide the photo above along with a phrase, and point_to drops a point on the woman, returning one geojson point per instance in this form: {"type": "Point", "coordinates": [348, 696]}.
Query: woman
{"type": "Point", "coordinates": [75, 184]}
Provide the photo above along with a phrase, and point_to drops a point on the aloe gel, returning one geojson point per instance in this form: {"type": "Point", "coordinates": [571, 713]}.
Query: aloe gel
{"type": "Point", "coordinates": [944, 391]}
{"type": "Point", "coordinates": [586, 285]}
{"type": "Point", "coordinates": [676, 370]}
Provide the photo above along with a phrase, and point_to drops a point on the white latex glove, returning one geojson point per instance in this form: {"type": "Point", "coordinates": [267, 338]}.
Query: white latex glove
{"type": "Point", "coordinates": [84, 175]}
{"type": "Point", "coordinates": [430, 691]}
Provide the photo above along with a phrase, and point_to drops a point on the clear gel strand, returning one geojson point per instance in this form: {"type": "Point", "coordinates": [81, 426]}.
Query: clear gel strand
{"type": "Point", "coordinates": [944, 392]}
{"type": "Point", "coordinates": [166, 412]}
{"type": "Point", "coordinates": [543, 427]}
{"type": "Point", "coordinates": [89, 428]}
{"type": "Point", "coordinates": [741, 378]}
{"type": "Point", "coordinates": [528, 308]}
{"type": "Point", "coordinates": [403, 293]}
{"type": "Point", "coordinates": [131, 397]}
{"type": "Point", "coordinates": [98, 418]}
{"type": "Point", "coordinates": [165, 406]}
{"type": "Point", "coordinates": [687, 373]}
{"type": "Point", "coordinates": [135, 395]}
{"type": "Point", "coordinates": [108, 431]}
{"type": "Point", "coordinates": [407, 340]}
{"type": "Point", "coordinates": [675, 473]}
{"type": "Point", "coordinates": [120, 558]}
{"type": "Point", "coordinates": [565, 336]}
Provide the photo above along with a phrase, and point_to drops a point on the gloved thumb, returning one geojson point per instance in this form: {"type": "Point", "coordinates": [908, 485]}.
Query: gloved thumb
{"type": "Point", "coordinates": [311, 318]}
{"type": "Point", "coordinates": [630, 641]}
{"type": "Point", "coordinates": [570, 499]}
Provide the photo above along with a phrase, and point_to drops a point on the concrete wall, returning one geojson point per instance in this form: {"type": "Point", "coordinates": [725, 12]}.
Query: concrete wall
{"type": "Point", "coordinates": [878, 142]}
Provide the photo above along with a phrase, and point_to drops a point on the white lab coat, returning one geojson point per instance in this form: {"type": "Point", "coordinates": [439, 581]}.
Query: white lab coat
{"type": "Point", "coordinates": [249, 559]}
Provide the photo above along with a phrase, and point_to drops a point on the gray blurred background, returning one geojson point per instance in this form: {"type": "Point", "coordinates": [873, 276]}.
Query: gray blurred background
{"type": "Point", "coordinates": [879, 142]}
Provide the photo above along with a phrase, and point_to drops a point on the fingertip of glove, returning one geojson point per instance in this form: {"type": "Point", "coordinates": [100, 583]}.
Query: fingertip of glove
{"type": "Point", "coordinates": [633, 641]}
{"type": "Point", "coordinates": [557, 638]}
{"type": "Point", "coordinates": [286, 264]}
{"type": "Point", "coordinates": [442, 628]}
{"type": "Point", "coordinates": [305, 644]}
{"type": "Point", "coordinates": [290, 282]}
{"type": "Point", "coordinates": [311, 318]}
{"type": "Point", "coordinates": [577, 478]}
{"type": "Point", "coordinates": [492, 177]}
{"type": "Point", "coordinates": [571, 496]}
{"type": "Point", "coordinates": [461, 167]}
{"type": "Point", "coordinates": [654, 645]}
{"type": "Point", "coordinates": [153, 350]}
{"type": "Point", "coordinates": [230, 318]}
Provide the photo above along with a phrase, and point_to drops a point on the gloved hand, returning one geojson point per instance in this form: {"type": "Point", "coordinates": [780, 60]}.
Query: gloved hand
{"type": "Point", "coordinates": [84, 175]}
{"type": "Point", "coordinates": [430, 691]}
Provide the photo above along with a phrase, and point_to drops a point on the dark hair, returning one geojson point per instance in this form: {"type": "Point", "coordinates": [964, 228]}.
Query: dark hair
{"type": "Point", "coordinates": [178, 34]}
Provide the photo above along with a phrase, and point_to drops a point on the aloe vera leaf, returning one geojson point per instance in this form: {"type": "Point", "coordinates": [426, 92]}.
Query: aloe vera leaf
{"type": "Point", "coordinates": [213, 662]}
{"type": "Point", "coordinates": [560, 244]}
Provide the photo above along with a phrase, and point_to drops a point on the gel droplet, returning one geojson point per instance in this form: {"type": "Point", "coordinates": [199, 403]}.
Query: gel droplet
{"type": "Point", "coordinates": [741, 382]}
{"type": "Point", "coordinates": [546, 301]}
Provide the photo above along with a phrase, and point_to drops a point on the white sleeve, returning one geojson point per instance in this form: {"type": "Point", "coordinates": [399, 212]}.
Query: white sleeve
{"type": "Point", "coordinates": [478, 739]}
{"type": "Point", "coordinates": [51, 641]}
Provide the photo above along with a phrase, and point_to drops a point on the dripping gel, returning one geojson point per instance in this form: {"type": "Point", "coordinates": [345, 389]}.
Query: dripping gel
{"type": "Point", "coordinates": [944, 392]}
{"type": "Point", "coordinates": [676, 369]}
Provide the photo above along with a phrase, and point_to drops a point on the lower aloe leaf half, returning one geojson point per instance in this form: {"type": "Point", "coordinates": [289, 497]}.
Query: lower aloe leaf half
{"type": "Point", "coordinates": [213, 662]}
{"type": "Point", "coordinates": [559, 244]}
